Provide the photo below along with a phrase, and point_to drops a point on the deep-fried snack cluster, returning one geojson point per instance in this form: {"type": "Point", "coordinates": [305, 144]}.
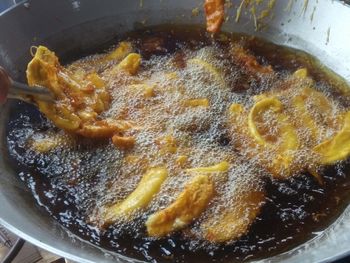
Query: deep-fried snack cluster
{"type": "Point", "coordinates": [285, 130]}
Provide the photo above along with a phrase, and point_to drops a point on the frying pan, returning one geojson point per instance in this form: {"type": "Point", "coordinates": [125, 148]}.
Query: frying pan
{"type": "Point", "coordinates": [75, 28]}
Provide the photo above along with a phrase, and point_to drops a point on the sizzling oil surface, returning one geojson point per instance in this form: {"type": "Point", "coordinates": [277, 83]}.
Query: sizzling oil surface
{"type": "Point", "coordinates": [73, 179]}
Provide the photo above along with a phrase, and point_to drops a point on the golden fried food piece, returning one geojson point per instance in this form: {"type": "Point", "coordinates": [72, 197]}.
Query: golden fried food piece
{"type": "Point", "coordinates": [282, 146]}
{"type": "Point", "coordinates": [181, 160]}
{"type": "Point", "coordinates": [122, 50]}
{"type": "Point", "coordinates": [104, 129]}
{"type": "Point", "coordinates": [189, 205]}
{"type": "Point", "coordinates": [209, 68]}
{"type": "Point", "coordinates": [301, 73]}
{"type": "Point", "coordinates": [138, 199]}
{"type": "Point", "coordinates": [276, 151]}
{"type": "Point", "coordinates": [146, 89]}
{"type": "Point", "coordinates": [217, 168]}
{"type": "Point", "coordinates": [123, 142]}
{"type": "Point", "coordinates": [77, 100]}
{"type": "Point", "coordinates": [214, 13]}
{"type": "Point", "coordinates": [249, 61]}
{"type": "Point", "coordinates": [301, 123]}
{"type": "Point", "coordinates": [235, 109]}
{"type": "Point", "coordinates": [129, 64]}
{"type": "Point", "coordinates": [167, 144]}
{"type": "Point", "coordinates": [45, 145]}
{"type": "Point", "coordinates": [287, 133]}
{"type": "Point", "coordinates": [265, 104]}
{"type": "Point", "coordinates": [44, 70]}
{"type": "Point", "coordinates": [80, 98]}
{"type": "Point", "coordinates": [197, 103]}
{"type": "Point", "coordinates": [236, 219]}
{"type": "Point", "coordinates": [338, 147]}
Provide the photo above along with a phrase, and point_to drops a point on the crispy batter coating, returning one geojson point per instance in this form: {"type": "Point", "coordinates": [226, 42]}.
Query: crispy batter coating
{"type": "Point", "coordinates": [77, 100]}
{"type": "Point", "coordinates": [130, 63]}
{"type": "Point", "coordinates": [80, 98]}
{"type": "Point", "coordinates": [249, 61]}
{"type": "Point", "coordinates": [214, 12]}
{"type": "Point", "coordinates": [278, 150]}
{"type": "Point", "coordinates": [236, 219]}
{"type": "Point", "coordinates": [123, 49]}
{"type": "Point", "coordinates": [188, 206]}
{"type": "Point", "coordinates": [336, 148]}
{"type": "Point", "coordinates": [207, 67]}
{"type": "Point", "coordinates": [197, 103]}
{"type": "Point", "coordinates": [123, 142]}
{"type": "Point", "coordinates": [287, 133]}
{"type": "Point", "coordinates": [104, 128]}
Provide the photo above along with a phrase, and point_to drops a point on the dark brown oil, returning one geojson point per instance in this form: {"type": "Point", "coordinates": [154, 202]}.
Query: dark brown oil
{"type": "Point", "coordinates": [296, 209]}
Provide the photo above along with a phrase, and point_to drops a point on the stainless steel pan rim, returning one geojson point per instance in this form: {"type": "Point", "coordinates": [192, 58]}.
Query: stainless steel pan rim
{"type": "Point", "coordinates": [98, 21]}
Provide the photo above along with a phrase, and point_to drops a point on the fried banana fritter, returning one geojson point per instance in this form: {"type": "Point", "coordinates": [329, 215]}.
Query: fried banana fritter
{"type": "Point", "coordinates": [79, 98]}
{"type": "Point", "coordinates": [270, 129]}
{"type": "Point", "coordinates": [236, 219]}
{"type": "Point", "coordinates": [336, 148]}
{"type": "Point", "coordinates": [188, 206]}
{"type": "Point", "coordinates": [138, 199]}
{"type": "Point", "coordinates": [297, 125]}
{"type": "Point", "coordinates": [191, 202]}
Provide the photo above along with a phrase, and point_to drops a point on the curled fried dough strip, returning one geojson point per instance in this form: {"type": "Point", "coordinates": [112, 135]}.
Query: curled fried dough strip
{"type": "Point", "coordinates": [338, 147]}
{"type": "Point", "coordinates": [236, 219]}
{"type": "Point", "coordinates": [189, 205]}
{"type": "Point", "coordinates": [214, 12]}
{"type": "Point", "coordinates": [287, 131]}
{"type": "Point", "coordinates": [138, 199]}
{"type": "Point", "coordinates": [266, 104]}
{"type": "Point", "coordinates": [306, 104]}
{"type": "Point", "coordinates": [62, 117]}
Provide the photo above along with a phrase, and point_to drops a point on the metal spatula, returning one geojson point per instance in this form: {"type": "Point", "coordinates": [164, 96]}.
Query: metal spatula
{"type": "Point", "coordinates": [10, 89]}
